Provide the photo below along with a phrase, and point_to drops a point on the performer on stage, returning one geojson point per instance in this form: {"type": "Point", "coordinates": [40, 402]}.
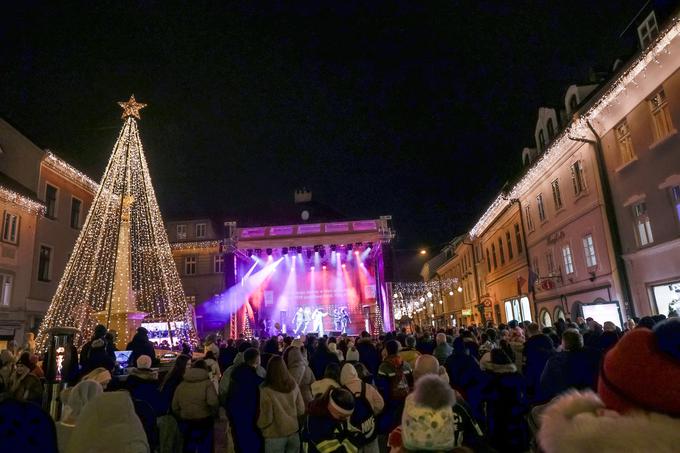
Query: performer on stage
{"type": "Point", "coordinates": [336, 319]}
{"type": "Point", "coordinates": [317, 321]}
{"type": "Point", "coordinates": [298, 320]}
{"type": "Point", "coordinates": [344, 320]}
{"type": "Point", "coordinates": [307, 316]}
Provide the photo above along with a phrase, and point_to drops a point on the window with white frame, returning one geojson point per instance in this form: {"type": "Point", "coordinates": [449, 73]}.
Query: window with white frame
{"type": "Point", "coordinates": [541, 207]}
{"type": "Point", "coordinates": [568, 259]}
{"type": "Point", "coordinates": [589, 250]}
{"type": "Point", "coordinates": [557, 196]}
{"type": "Point", "coordinates": [643, 227]}
{"type": "Point", "coordinates": [661, 116]}
{"type": "Point", "coordinates": [550, 260]}
{"type": "Point", "coordinates": [181, 232]}
{"type": "Point", "coordinates": [51, 201]}
{"type": "Point", "coordinates": [675, 199]}
{"type": "Point", "coordinates": [44, 263]}
{"type": "Point", "coordinates": [546, 320]}
{"type": "Point", "coordinates": [648, 30]}
{"type": "Point", "coordinates": [218, 263]}
{"type": "Point", "coordinates": [577, 177]}
{"type": "Point", "coordinates": [189, 265]}
{"type": "Point", "coordinates": [6, 289]}
{"type": "Point", "coordinates": [200, 230]}
{"type": "Point", "coordinates": [10, 228]}
{"type": "Point", "coordinates": [529, 220]}
{"type": "Point", "coordinates": [626, 151]}
{"type": "Point", "coordinates": [518, 309]}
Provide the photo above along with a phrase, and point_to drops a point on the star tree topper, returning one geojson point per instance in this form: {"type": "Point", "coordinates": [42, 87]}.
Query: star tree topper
{"type": "Point", "coordinates": [131, 107]}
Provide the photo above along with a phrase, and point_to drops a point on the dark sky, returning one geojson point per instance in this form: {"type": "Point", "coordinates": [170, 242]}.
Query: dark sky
{"type": "Point", "coordinates": [415, 109]}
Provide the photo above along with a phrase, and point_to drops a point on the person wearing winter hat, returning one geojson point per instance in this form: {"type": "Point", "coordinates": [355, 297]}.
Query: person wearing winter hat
{"type": "Point", "coordinates": [333, 347]}
{"type": "Point", "coordinates": [108, 423]}
{"type": "Point", "coordinates": [24, 385]}
{"type": "Point", "coordinates": [327, 425]}
{"type": "Point", "coordinates": [368, 399]}
{"type": "Point", "coordinates": [78, 398]}
{"type": "Point", "coordinates": [427, 423]}
{"type": "Point", "coordinates": [140, 345]}
{"type": "Point", "coordinates": [637, 408]}
{"type": "Point", "coordinates": [97, 352]}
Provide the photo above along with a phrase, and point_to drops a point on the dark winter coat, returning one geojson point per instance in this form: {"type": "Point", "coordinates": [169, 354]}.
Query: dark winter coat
{"type": "Point", "coordinates": [368, 355]}
{"type": "Point", "coordinates": [506, 408]}
{"type": "Point", "coordinates": [537, 350]}
{"type": "Point", "coordinates": [96, 353]}
{"type": "Point", "coordinates": [569, 369]}
{"type": "Point", "coordinates": [143, 385]}
{"type": "Point", "coordinates": [320, 359]}
{"type": "Point", "coordinates": [390, 417]}
{"type": "Point", "coordinates": [242, 407]}
{"type": "Point", "coordinates": [226, 358]}
{"type": "Point", "coordinates": [140, 345]}
{"type": "Point", "coordinates": [323, 434]}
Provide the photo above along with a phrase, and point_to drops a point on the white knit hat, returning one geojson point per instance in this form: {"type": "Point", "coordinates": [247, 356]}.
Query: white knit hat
{"type": "Point", "coordinates": [352, 355]}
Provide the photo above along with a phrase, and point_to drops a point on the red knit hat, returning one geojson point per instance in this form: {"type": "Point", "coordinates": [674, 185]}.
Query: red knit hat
{"type": "Point", "coordinates": [639, 373]}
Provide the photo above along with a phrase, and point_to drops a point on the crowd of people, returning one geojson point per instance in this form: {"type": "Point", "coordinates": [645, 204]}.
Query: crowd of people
{"type": "Point", "coordinates": [575, 386]}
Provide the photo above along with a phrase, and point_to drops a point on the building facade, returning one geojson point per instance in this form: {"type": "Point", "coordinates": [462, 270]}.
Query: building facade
{"type": "Point", "coordinates": [45, 203]}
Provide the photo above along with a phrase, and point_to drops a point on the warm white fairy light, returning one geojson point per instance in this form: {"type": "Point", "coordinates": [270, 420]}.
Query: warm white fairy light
{"type": "Point", "coordinates": [579, 127]}
{"type": "Point", "coordinates": [87, 284]}
{"type": "Point", "coordinates": [21, 201]}
{"type": "Point", "coordinates": [194, 245]}
{"type": "Point", "coordinates": [63, 168]}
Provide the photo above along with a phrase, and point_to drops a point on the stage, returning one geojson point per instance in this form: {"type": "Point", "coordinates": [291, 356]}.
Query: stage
{"type": "Point", "coordinates": [325, 278]}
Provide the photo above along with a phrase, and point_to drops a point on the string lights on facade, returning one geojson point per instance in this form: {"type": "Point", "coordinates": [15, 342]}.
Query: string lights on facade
{"type": "Point", "coordinates": [33, 207]}
{"type": "Point", "coordinates": [579, 126]}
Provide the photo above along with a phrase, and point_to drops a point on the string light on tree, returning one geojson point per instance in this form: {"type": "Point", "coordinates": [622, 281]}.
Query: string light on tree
{"type": "Point", "coordinates": [121, 268]}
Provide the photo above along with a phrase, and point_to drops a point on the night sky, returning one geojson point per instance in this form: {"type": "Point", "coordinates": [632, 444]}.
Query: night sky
{"type": "Point", "coordinates": [415, 109]}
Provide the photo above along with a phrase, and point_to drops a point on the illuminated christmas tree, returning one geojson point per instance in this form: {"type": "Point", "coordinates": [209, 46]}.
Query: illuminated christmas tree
{"type": "Point", "coordinates": [121, 271]}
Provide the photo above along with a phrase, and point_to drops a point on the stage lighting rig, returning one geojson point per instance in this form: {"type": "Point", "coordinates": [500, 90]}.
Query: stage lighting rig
{"type": "Point", "coordinates": [349, 247]}
{"type": "Point", "coordinates": [333, 247]}
{"type": "Point", "coordinates": [284, 251]}
{"type": "Point", "coordinates": [299, 250]}
{"type": "Point", "coordinates": [258, 252]}
{"type": "Point", "coordinates": [269, 252]}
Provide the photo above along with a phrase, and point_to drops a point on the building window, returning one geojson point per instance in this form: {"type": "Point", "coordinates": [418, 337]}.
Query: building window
{"type": "Point", "coordinates": [568, 260]}
{"type": "Point", "coordinates": [518, 239]}
{"type": "Point", "coordinates": [530, 221]}
{"type": "Point", "coordinates": [535, 266]}
{"type": "Point", "coordinates": [648, 30]}
{"type": "Point", "coordinates": [518, 309]}
{"type": "Point", "coordinates": [559, 314]}
{"type": "Point", "coordinates": [546, 320]}
{"type": "Point", "coordinates": [44, 263]}
{"type": "Point", "coordinates": [10, 228]}
{"type": "Point", "coordinates": [200, 230]}
{"type": "Point", "coordinates": [218, 264]}
{"type": "Point", "coordinates": [501, 251]}
{"type": "Point", "coordinates": [509, 244]}
{"type": "Point", "coordinates": [541, 207]}
{"type": "Point", "coordinates": [541, 140]}
{"type": "Point", "coordinates": [6, 292]}
{"type": "Point", "coordinates": [557, 196]}
{"type": "Point", "coordinates": [191, 300]}
{"type": "Point", "coordinates": [577, 177]}
{"type": "Point", "coordinates": [189, 265]}
{"type": "Point", "coordinates": [661, 116]}
{"type": "Point", "coordinates": [50, 201]}
{"type": "Point", "coordinates": [550, 260]}
{"type": "Point", "coordinates": [551, 130]}
{"type": "Point", "coordinates": [493, 254]}
{"type": "Point", "coordinates": [626, 150]}
{"type": "Point", "coordinates": [675, 198]}
{"type": "Point", "coordinates": [181, 232]}
{"type": "Point", "coordinates": [643, 228]}
{"type": "Point", "coordinates": [589, 249]}
{"type": "Point", "coordinates": [76, 205]}
{"type": "Point", "coordinates": [488, 260]}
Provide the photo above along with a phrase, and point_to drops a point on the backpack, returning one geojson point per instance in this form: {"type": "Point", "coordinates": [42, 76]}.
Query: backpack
{"type": "Point", "coordinates": [398, 385]}
{"type": "Point", "coordinates": [362, 419]}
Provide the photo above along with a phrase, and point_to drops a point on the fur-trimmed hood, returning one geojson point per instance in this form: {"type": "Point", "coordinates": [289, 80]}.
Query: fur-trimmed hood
{"type": "Point", "coordinates": [499, 368]}
{"type": "Point", "coordinates": [579, 422]}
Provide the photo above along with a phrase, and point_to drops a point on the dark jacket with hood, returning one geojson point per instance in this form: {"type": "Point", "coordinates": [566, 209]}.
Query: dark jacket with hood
{"type": "Point", "coordinates": [537, 350]}
{"type": "Point", "coordinates": [242, 406]}
{"type": "Point", "coordinates": [322, 433]}
{"type": "Point", "coordinates": [142, 384]}
{"type": "Point", "coordinates": [577, 369]}
{"type": "Point", "coordinates": [368, 355]}
{"type": "Point", "coordinates": [140, 345]}
{"type": "Point", "coordinates": [97, 353]}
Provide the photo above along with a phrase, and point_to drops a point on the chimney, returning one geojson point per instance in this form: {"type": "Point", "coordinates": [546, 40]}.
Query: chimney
{"type": "Point", "coordinates": [303, 196]}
